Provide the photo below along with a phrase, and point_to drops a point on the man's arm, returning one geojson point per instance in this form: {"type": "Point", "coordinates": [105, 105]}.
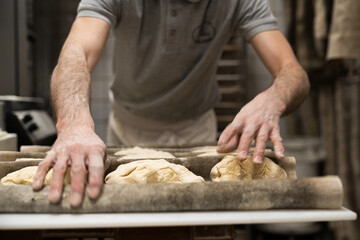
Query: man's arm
{"type": "Point", "coordinates": [260, 117]}
{"type": "Point", "coordinates": [77, 144]}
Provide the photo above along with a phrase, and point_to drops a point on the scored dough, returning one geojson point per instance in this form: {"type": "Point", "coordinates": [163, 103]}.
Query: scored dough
{"type": "Point", "coordinates": [152, 171]}
{"type": "Point", "coordinates": [140, 153]}
{"type": "Point", "coordinates": [231, 168]}
{"type": "Point", "coordinates": [26, 176]}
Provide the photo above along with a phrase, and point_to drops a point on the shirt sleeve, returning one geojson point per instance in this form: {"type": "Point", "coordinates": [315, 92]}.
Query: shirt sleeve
{"type": "Point", "coordinates": [108, 10]}
{"type": "Point", "coordinates": [254, 17]}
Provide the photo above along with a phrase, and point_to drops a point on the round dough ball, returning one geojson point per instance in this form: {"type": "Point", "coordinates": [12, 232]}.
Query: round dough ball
{"type": "Point", "coordinates": [26, 176]}
{"type": "Point", "coordinates": [152, 171]}
{"type": "Point", "coordinates": [230, 168]}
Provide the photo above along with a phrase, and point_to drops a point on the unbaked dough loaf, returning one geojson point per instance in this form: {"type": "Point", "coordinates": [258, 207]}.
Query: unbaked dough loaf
{"type": "Point", "coordinates": [209, 151]}
{"type": "Point", "coordinates": [28, 159]}
{"type": "Point", "coordinates": [141, 153]}
{"type": "Point", "coordinates": [231, 168]}
{"type": "Point", "coordinates": [152, 171]}
{"type": "Point", "coordinates": [26, 176]}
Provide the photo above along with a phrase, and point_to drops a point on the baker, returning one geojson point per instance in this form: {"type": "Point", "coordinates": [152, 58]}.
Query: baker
{"type": "Point", "coordinates": [165, 59]}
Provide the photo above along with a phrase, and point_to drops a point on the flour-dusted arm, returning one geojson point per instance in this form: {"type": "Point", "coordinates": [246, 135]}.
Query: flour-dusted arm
{"type": "Point", "coordinates": [77, 145]}
{"type": "Point", "coordinates": [260, 117]}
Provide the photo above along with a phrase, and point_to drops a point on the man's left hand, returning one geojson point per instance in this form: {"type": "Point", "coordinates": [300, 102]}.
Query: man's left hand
{"type": "Point", "coordinates": [259, 118]}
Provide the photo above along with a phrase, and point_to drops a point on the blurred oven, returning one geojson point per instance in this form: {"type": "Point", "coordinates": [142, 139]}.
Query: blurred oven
{"type": "Point", "coordinates": [27, 118]}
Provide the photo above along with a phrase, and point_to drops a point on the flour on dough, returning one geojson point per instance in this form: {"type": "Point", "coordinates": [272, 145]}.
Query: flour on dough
{"type": "Point", "coordinates": [26, 176]}
{"type": "Point", "coordinates": [152, 171]}
{"type": "Point", "coordinates": [141, 153]}
{"type": "Point", "coordinates": [231, 168]}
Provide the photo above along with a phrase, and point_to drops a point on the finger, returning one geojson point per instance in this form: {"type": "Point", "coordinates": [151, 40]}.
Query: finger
{"type": "Point", "coordinates": [57, 180]}
{"type": "Point", "coordinates": [230, 145]}
{"type": "Point", "coordinates": [228, 140]}
{"type": "Point", "coordinates": [96, 174]}
{"type": "Point", "coordinates": [245, 140]}
{"type": "Point", "coordinates": [225, 135]}
{"type": "Point", "coordinates": [107, 163]}
{"type": "Point", "coordinates": [78, 178]}
{"type": "Point", "coordinates": [261, 140]}
{"type": "Point", "coordinates": [42, 170]}
{"type": "Point", "coordinates": [278, 142]}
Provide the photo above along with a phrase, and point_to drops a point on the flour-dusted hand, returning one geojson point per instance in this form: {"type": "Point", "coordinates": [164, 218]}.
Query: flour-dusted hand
{"type": "Point", "coordinates": [258, 119]}
{"type": "Point", "coordinates": [83, 151]}
{"type": "Point", "coordinates": [77, 145]}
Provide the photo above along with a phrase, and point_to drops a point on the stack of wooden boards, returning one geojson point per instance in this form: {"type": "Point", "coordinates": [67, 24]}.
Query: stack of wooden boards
{"type": "Point", "coordinates": [231, 78]}
{"type": "Point", "coordinates": [320, 192]}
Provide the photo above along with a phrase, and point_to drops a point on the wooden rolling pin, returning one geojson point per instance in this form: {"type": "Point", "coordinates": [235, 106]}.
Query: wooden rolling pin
{"type": "Point", "coordinates": [304, 193]}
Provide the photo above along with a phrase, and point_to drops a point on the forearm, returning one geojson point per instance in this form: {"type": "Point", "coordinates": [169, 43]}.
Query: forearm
{"type": "Point", "coordinates": [70, 89]}
{"type": "Point", "coordinates": [290, 87]}
{"type": "Point", "coordinates": [260, 117]}
{"type": "Point", "coordinates": [77, 144]}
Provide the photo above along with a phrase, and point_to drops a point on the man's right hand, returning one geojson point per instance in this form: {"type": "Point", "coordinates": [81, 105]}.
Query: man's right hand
{"type": "Point", "coordinates": [79, 148]}
{"type": "Point", "coordinates": [77, 145]}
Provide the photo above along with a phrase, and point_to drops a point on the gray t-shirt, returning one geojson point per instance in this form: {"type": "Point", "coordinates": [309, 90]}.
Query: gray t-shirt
{"type": "Point", "coordinates": [166, 51]}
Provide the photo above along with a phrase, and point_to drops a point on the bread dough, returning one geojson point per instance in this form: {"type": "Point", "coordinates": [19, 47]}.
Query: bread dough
{"type": "Point", "coordinates": [28, 159]}
{"type": "Point", "coordinates": [26, 176]}
{"type": "Point", "coordinates": [141, 153]}
{"type": "Point", "coordinates": [231, 168]}
{"type": "Point", "coordinates": [209, 151]}
{"type": "Point", "coordinates": [204, 149]}
{"type": "Point", "coordinates": [152, 171]}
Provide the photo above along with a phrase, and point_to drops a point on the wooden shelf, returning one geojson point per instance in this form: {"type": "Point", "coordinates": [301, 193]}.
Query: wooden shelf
{"type": "Point", "coordinates": [231, 48]}
{"type": "Point", "coordinates": [231, 90]}
{"type": "Point", "coordinates": [229, 63]}
{"type": "Point", "coordinates": [229, 77]}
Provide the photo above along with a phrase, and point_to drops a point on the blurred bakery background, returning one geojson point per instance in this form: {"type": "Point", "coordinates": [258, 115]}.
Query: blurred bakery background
{"type": "Point", "coordinates": [323, 134]}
